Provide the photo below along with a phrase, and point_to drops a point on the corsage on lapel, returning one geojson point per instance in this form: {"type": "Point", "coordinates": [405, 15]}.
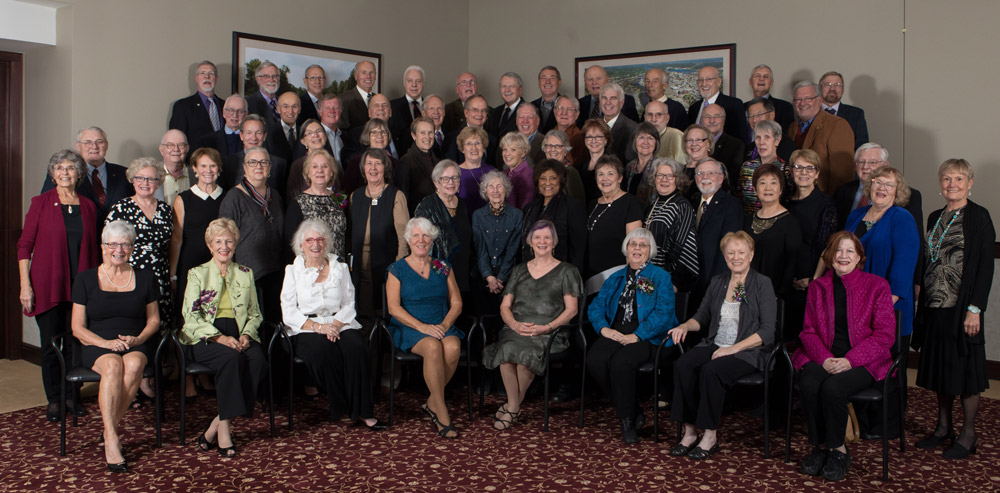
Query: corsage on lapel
{"type": "Point", "coordinates": [440, 267]}
{"type": "Point", "coordinates": [645, 285]}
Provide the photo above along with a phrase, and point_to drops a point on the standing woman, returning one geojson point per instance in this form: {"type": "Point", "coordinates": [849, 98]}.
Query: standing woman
{"type": "Point", "coordinates": [378, 219]}
{"type": "Point", "coordinates": [313, 137]}
{"type": "Point", "coordinates": [775, 232]}
{"type": "Point", "coordinates": [514, 148]}
{"type": "Point", "coordinates": [58, 241]}
{"type": "Point", "coordinates": [597, 140]}
{"type": "Point", "coordinates": [671, 220]}
{"type": "Point", "coordinates": [556, 146]}
{"type": "Point", "coordinates": [153, 221]}
{"type": "Point", "coordinates": [767, 136]}
{"type": "Point", "coordinates": [446, 210]}
{"type": "Point", "coordinates": [496, 234]}
{"type": "Point", "coordinates": [612, 216]}
{"type": "Point", "coordinates": [567, 213]}
{"type": "Point", "coordinates": [413, 173]}
{"type": "Point", "coordinates": [318, 202]}
{"type": "Point", "coordinates": [472, 143]}
{"type": "Point", "coordinates": [960, 239]}
{"type": "Point", "coordinates": [374, 135]}
{"type": "Point", "coordinates": [639, 173]}
{"type": "Point", "coordinates": [257, 211]}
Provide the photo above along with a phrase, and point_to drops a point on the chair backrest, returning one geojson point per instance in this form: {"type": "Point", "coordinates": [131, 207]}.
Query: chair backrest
{"type": "Point", "coordinates": [779, 322]}
{"type": "Point", "coordinates": [897, 345]}
{"type": "Point", "coordinates": [681, 305]}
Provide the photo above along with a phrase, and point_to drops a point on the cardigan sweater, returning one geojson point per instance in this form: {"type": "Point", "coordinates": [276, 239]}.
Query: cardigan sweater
{"type": "Point", "coordinates": [201, 301]}
{"type": "Point", "coordinates": [758, 313]}
{"type": "Point", "coordinates": [870, 322]}
{"type": "Point", "coordinates": [656, 311]}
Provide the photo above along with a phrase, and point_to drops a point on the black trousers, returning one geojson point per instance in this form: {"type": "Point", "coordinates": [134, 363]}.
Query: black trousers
{"type": "Point", "coordinates": [614, 366]}
{"type": "Point", "coordinates": [238, 375]}
{"type": "Point", "coordinates": [51, 322]}
{"type": "Point", "coordinates": [824, 401]}
{"type": "Point", "coordinates": [700, 385]}
{"type": "Point", "coordinates": [269, 290]}
{"type": "Point", "coordinates": [341, 368]}
{"type": "Point", "coordinates": [870, 415]}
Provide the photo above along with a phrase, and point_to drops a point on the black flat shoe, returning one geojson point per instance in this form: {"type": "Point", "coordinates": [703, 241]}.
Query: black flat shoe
{"type": "Point", "coordinates": [680, 450]}
{"type": "Point", "coordinates": [119, 467]}
{"type": "Point", "coordinates": [378, 426]}
{"type": "Point", "coordinates": [934, 441]}
{"type": "Point", "coordinates": [699, 453]}
{"type": "Point", "coordinates": [836, 466]}
{"type": "Point", "coordinates": [958, 451]}
{"type": "Point", "coordinates": [52, 413]}
{"type": "Point", "coordinates": [813, 463]}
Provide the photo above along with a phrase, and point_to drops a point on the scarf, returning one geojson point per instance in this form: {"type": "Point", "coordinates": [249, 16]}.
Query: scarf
{"type": "Point", "coordinates": [627, 299]}
{"type": "Point", "coordinates": [260, 200]}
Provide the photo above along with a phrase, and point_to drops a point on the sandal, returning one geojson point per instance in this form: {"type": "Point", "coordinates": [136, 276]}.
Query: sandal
{"type": "Point", "coordinates": [699, 453]}
{"type": "Point", "coordinates": [203, 444]}
{"type": "Point", "coordinates": [140, 400]}
{"type": "Point", "coordinates": [503, 424]}
{"type": "Point", "coordinates": [228, 452]}
{"type": "Point", "coordinates": [442, 429]}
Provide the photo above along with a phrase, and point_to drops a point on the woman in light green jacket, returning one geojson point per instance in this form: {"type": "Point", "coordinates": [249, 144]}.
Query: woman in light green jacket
{"type": "Point", "coordinates": [221, 318]}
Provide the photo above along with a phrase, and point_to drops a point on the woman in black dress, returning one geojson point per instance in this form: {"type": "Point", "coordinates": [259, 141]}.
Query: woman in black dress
{"type": "Point", "coordinates": [317, 202]}
{"type": "Point", "coordinates": [446, 210]}
{"type": "Point", "coordinates": [612, 216]}
{"type": "Point", "coordinates": [597, 140]}
{"type": "Point", "coordinates": [638, 172]}
{"type": "Point", "coordinates": [959, 256]}
{"type": "Point", "coordinates": [115, 313]}
{"type": "Point", "coordinates": [566, 212]}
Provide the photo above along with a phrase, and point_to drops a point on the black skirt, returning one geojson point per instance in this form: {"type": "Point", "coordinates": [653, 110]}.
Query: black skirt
{"type": "Point", "coordinates": [941, 369]}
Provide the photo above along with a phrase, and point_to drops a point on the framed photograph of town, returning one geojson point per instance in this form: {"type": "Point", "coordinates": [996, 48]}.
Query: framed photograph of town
{"type": "Point", "coordinates": [292, 58]}
{"type": "Point", "coordinates": [681, 64]}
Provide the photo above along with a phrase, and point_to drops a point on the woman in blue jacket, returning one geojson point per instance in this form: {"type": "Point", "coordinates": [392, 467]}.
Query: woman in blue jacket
{"type": "Point", "coordinates": [632, 313]}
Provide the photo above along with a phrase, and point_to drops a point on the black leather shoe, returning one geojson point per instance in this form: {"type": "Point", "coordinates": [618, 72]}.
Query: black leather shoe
{"type": "Point", "coordinates": [813, 463]}
{"type": "Point", "coordinates": [958, 451]}
{"type": "Point", "coordinates": [640, 419]}
{"type": "Point", "coordinates": [563, 394]}
{"type": "Point", "coordinates": [77, 409]}
{"type": "Point", "coordinates": [629, 435]}
{"type": "Point", "coordinates": [119, 467]}
{"type": "Point", "coordinates": [837, 464]}
{"type": "Point", "coordinates": [699, 453]}
{"type": "Point", "coordinates": [52, 413]}
{"type": "Point", "coordinates": [680, 450]}
{"type": "Point", "coordinates": [934, 441]}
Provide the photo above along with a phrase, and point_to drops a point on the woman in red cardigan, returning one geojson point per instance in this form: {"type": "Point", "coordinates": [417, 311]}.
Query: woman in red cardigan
{"type": "Point", "coordinates": [848, 330]}
{"type": "Point", "coordinates": [59, 240]}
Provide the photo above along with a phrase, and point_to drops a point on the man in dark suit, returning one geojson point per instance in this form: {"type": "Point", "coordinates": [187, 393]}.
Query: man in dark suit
{"type": "Point", "coordinates": [595, 77]}
{"type": "Point", "coordinates": [354, 102]}
{"type": "Point", "coordinates": [832, 89]}
{"type": "Point", "coordinates": [612, 100]}
{"type": "Point", "coordinates": [758, 110]}
{"type": "Point", "coordinates": [227, 140]}
{"type": "Point", "coordinates": [200, 113]}
{"type": "Point", "coordinates": [528, 118]}
{"type": "Point", "coordinates": [283, 138]}
{"type": "Point", "coordinates": [728, 150]}
{"type": "Point", "coordinates": [454, 113]}
{"type": "Point", "coordinates": [105, 182]}
{"type": "Point", "coordinates": [709, 86]}
{"type": "Point", "coordinates": [380, 108]}
{"type": "Point", "coordinates": [407, 108]}
{"type": "Point", "coordinates": [253, 133]}
{"type": "Point", "coordinates": [549, 81]}
{"type": "Point", "coordinates": [656, 82]}
{"type": "Point", "coordinates": [716, 213]}
{"type": "Point", "coordinates": [434, 109]}
{"type": "Point", "coordinates": [264, 102]}
{"type": "Point", "coordinates": [761, 81]}
{"type": "Point", "coordinates": [476, 110]}
{"type": "Point", "coordinates": [315, 82]}
{"type": "Point", "coordinates": [503, 118]}
{"type": "Point", "coordinates": [329, 115]}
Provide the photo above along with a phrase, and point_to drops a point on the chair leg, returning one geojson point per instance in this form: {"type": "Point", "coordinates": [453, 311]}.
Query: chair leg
{"type": "Point", "coordinates": [183, 375]}
{"type": "Point", "coordinates": [62, 415]}
{"type": "Point", "coordinates": [885, 437]}
{"type": "Point", "coordinates": [291, 388]}
{"type": "Point", "coordinates": [270, 403]}
{"type": "Point", "coordinates": [788, 421]}
{"type": "Point", "coordinates": [158, 403]}
{"type": "Point", "coordinates": [392, 388]}
{"type": "Point", "coordinates": [583, 384]}
{"type": "Point", "coordinates": [767, 415]}
{"type": "Point", "coordinates": [656, 404]}
{"type": "Point", "coordinates": [468, 378]}
{"type": "Point", "coordinates": [482, 388]}
{"type": "Point", "coordinates": [548, 370]}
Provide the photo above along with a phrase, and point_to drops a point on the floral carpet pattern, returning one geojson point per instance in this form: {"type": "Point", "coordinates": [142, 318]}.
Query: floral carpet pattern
{"type": "Point", "coordinates": [335, 456]}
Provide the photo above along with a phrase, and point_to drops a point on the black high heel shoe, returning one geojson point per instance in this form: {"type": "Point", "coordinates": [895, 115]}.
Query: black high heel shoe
{"type": "Point", "coordinates": [119, 467]}
{"type": "Point", "coordinates": [203, 444]}
{"type": "Point", "coordinates": [958, 451]}
{"type": "Point", "coordinates": [933, 441]}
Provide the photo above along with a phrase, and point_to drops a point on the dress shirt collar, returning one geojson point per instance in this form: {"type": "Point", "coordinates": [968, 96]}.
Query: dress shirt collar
{"type": "Point", "coordinates": [195, 189]}
{"type": "Point", "coordinates": [835, 107]}
{"type": "Point", "coordinates": [364, 95]}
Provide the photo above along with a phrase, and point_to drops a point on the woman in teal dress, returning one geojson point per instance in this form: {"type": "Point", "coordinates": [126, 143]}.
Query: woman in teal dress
{"type": "Point", "coordinates": [423, 301]}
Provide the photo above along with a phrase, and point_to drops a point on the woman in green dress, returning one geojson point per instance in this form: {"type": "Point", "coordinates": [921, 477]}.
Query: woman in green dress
{"type": "Point", "coordinates": [540, 296]}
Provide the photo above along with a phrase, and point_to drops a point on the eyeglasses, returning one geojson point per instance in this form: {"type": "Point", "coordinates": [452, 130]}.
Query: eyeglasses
{"type": "Point", "coordinates": [695, 141]}
{"type": "Point", "coordinates": [802, 100]}
{"type": "Point", "coordinates": [664, 176]}
{"type": "Point", "coordinates": [467, 82]}
{"type": "Point", "coordinates": [552, 147]}
{"type": "Point", "coordinates": [449, 179]}
{"type": "Point", "coordinates": [316, 78]}
{"type": "Point", "coordinates": [258, 163]}
{"type": "Point", "coordinates": [60, 169]}
{"type": "Point", "coordinates": [271, 77]}
{"type": "Point", "coordinates": [93, 143]}
{"type": "Point", "coordinates": [888, 185]}
{"type": "Point", "coordinates": [311, 241]}
{"type": "Point", "coordinates": [869, 163]}
{"type": "Point", "coordinates": [146, 179]}
{"type": "Point", "coordinates": [706, 116]}
{"type": "Point", "coordinates": [564, 109]}
{"type": "Point", "coordinates": [594, 138]}
{"type": "Point", "coordinates": [231, 111]}
{"type": "Point", "coordinates": [313, 133]}
{"type": "Point", "coordinates": [805, 169]}
{"type": "Point", "coordinates": [114, 245]}
{"type": "Point", "coordinates": [707, 173]}
{"type": "Point", "coordinates": [636, 244]}
{"type": "Point", "coordinates": [760, 115]}
{"type": "Point", "coordinates": [205, 74]}
{"type": "Point", "coordinates": [379, 133]}
{"type": "Point", "coordinates": [172, 146]}
{"type": "Point", "coordinates": [832, 84]}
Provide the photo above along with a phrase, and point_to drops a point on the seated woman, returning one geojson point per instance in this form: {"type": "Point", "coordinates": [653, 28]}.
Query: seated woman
{"type": "Point", "coordinates": [739, 310]}
{"type": "Point", "coordinates": [115, 313]}
{"type": "Point", "coordinates": [632, 313]}
{"type": "Point", "coordinates": [423, 300]}
{"type": "Point", "coordinates": [317, 305]}
{"type": "Point", "coordinates": [540, 296]}
{"type": "Point", "coordinates": [221, 318]}
{"type": "Point", "coordinates": [842, 352]}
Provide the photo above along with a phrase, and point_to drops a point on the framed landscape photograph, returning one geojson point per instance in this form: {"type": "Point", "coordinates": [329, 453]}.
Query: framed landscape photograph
{"type": "Point", "coordinates": [681, 64]}
{"type": "Point", "coordinates": [292, 58]}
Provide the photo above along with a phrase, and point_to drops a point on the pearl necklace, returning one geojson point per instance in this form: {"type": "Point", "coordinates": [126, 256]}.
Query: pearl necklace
{"type": "Point", "coordinates": [131, 272]}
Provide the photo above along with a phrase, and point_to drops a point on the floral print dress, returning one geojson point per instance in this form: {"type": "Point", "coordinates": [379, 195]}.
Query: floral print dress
{"type": "Point", "coordinates": [152, 245]}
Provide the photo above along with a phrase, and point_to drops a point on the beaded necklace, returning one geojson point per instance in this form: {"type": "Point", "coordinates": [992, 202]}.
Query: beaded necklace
{"type": "Point", "coordinates": [935, 250]}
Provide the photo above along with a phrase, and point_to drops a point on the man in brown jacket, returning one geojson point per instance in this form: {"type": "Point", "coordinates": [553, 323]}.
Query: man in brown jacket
{"type": "Point", "coordinates": [830, 136]}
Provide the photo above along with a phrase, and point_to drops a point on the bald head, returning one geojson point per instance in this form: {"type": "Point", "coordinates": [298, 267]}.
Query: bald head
{"type": "Point", "coordinates": [378, 107]}
{"type": "Point", "coordinates": [595, 77]}
{"type": "Point", "coordinates": [289, 107]}
{"type": "Point", "coordinates": [657, 114]}
{"type": "Point", "coordinates": [656, 83]}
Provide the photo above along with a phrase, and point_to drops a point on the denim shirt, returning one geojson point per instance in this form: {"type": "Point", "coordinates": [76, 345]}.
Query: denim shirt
{"type": "Point", "coordinates": [497, 239]}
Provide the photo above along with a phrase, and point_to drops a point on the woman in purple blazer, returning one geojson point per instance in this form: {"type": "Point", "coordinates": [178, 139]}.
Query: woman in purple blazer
{"type": "Point", "coordinates": [847, 333]}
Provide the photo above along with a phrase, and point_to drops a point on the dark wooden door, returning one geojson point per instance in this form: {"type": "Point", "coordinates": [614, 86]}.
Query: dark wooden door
{"type": "Point", "coordinates": [11, 162]}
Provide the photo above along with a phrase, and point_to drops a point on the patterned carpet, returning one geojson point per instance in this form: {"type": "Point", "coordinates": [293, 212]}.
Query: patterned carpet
{"type": "Point", "coordinates": [325, 456]}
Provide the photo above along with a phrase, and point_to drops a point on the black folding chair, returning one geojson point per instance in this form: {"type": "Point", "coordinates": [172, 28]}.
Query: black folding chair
{"type": "Point", "coordinates": [653, 366]}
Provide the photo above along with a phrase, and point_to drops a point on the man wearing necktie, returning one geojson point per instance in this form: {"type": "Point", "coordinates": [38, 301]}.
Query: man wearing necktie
{"type": "Point", "coordinates": [435, 110]}
{"type": "Point", "coordinates": [354, 102]}
{"type": "Point", "coordinates": [716, 213]}
{"type": "Point", "coordinates": [227, 140]}
{"type": "Point", "coordinates": [283, 138]}
{"type": "Point", "coordinates": [502, 119]}
{"type": "Point", "coordinates": [264, 102]}
{"type": "Point", "coordinates": [200, 114]}
{"type": "Point", "coordinates": [407, 108]}
{"type": "Point", "coordinates": [315, 82]}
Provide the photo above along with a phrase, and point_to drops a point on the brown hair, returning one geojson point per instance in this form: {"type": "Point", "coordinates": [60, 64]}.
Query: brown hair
{"type": "Point", "coordinates": [831, 247]}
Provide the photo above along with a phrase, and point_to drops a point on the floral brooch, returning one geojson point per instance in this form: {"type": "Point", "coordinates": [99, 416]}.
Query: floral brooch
{"type": "Point", "coordinates": [645, 285]}
{"type": "Point", "coordinates": [440, 267]}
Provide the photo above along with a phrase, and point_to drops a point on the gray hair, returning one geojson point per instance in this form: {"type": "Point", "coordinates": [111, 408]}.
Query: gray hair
{"type": "Point", "coordinates": [92, 128]}
{"type": "Point", "coordinates": [424, 224]}
{"type": "Point", "coordinates": [489, 178]}
{"type": "Point", "coordinates": [529, 107]}
{"type": "Point", "coordinates": [559, 134]}
{"type": "Point", "coordinates": [263, 65]}
{"type": "Point", "coordinates": [517, 141]}
{"type": "Point", "coordinates": [573, 101]}
{"type": "Point", "coordinates": [768, 126]}
{"type": "Point", "coordinates": [640, 234]}
{"type": "Point", "coordinates": [236, 97]}
{"type": "Point", "coordinates": [805, 83]}
{"type": "Point", "coordinates": [267, 155]}
{"type": "Point", "coordinates": [762, 66]}
{"type": "Point", "coordinates": [440, 167]}
{"type": "Point", "coordinates": [552, 68]}
{"type": "Point", "coordinates": [311, 225]}
{"type": "Point", "coordinates": [681, 179]}
{"type": "Point", "coordinates": [315, 65]}
{"type": "Point", "coordinates": [140, 163]}
{"type": "Point", "coordinates": [513, 75]}
{"type": "Point", "coordinates": [423, 106]}
{"type": "Point", "coordinates": [207, 62]}
{"type": "Point", "coordinates": [468, 101]}
{"type": "Point", "coordinates": [118, 228]}
{"type": "Point", "coordinates": [722, 167]}
{"type": "Point", "coordinates": [418, 68]}
{"type": "Point", "coordinates": [871, 145]}
{"type": "Point", "coordinates": [253, 117]}
{"type": "Point", "coordinates": [71, 156]}
{"type": "Point", "coordinates": [614, 86]}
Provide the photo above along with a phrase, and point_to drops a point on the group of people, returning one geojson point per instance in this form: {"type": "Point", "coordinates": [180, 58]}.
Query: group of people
{"type": "Point", "coordinates": [312, 210]}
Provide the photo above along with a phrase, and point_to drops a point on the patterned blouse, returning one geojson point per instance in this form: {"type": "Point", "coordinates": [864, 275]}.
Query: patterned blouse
{"type": "Point", "coordinates": [329, 209]}
{"type": "Point", "coordinates": [152, 245]}
{"type": "Point", "coordinates": [943, 275]}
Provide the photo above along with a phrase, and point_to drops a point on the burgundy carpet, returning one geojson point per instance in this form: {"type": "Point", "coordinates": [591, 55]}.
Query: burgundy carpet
{"type": "Point", "coordinates": [324, 456]}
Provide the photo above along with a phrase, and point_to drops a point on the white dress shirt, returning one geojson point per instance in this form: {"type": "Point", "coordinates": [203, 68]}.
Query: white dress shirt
{"type": "Point", "coordinates": [332, 299]}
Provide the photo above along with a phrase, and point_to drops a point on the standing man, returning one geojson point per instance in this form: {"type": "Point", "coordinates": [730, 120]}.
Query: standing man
{"type": "Point", "coordinates": [476, 110]}
{"type": "Point", "coordinates": [710, 86]}
{"type": "Point", "coordinates": [612, 100]}
{"type": "Point", "coordinates": [354, 102]}
{"type": "Point", "coordinates": [503, 118]}
{"type": "Point", "coordinates": [264, 102]}
{"type": "Point", "coordinates": [434, 109]}
{"type": "Point", "coordinates": [761, 81]}
{"type": "Point", "coordinates": [549, 81]}
{"type": "Point", "coordinates": [716, 213]}
{"type": "Point", "coordinates": [727, 149]}
{"type": "Point", "coordinates": [253, 133]}
{"type": "Point", "coordinates": [282, 139]}
{"type": "Point", "coordinates": [173, 149]}
{"type": "Point", "coordinates": [656, 83]}
{"type": "Point", "coordinates": [200, 113]}
{"type": "Point", "coordinates": [831, 86]}
{"type": "Point", "coordinates": [329, 116]}
{"type": "Point", "coordinates": [408, 107]}
{"type": "Point", "coordinates": [528, 118]}
{"type": "Point", "coordinates": [595, 78]}
{"type": "Point", "coordinates": [106, 182]}
{"type": "Point", "coordinates": [227, 140]}
{"type": "Point", "coordinates": [454, 113]}
{"type": "Point", "coordinates": [830, 136]}
{"type": "Point", "coordinates": [315, 82]}
{"type": "Point", "coordinates": [671, 139]}
{"type": "Point", "coordinates": [567, 113]}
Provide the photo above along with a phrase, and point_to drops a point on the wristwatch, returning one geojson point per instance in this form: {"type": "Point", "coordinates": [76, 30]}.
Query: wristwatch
{"type": "Point", "coordinates": [974, 309]}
